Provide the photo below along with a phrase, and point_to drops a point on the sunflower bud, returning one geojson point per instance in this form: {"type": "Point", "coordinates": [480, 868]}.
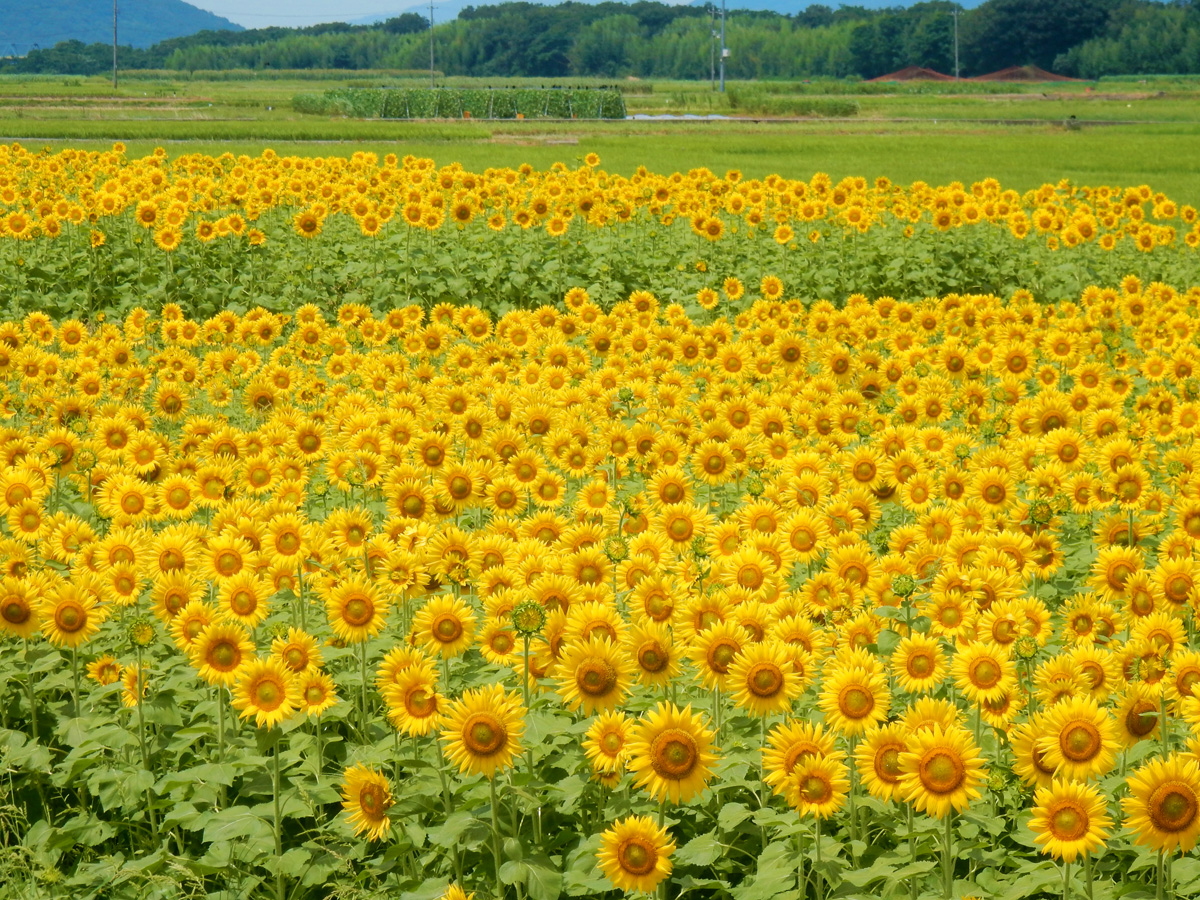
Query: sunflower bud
{"type": "Point", "coordinates": [528, 618]}
{"type": "Point", "coordinates": [140, 632]}
{"type": "Point", "coordinates": [1025, 647]}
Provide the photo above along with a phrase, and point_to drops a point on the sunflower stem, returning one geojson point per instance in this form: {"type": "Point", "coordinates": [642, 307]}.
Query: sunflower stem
{"type": "Point", "coordinates": [817, 876]}
{"type": "Point", "coordinates": [496, 858]}
{"type": "Point", "coordinates": [912, 850]}
{"type": "Point", "coordinates": [75, 680]}
{"type": "Point", "coordinates": [1087, 874]}
{"type": "Point", "coordinates": [1066, 881]}
{"type": "Point", "coordinates": [948, 855]}
{"type": "Point", "coordinates": [362, 670]}
{"type": "Point", "coordinates": [1158, 879]}
{"type": "Point", "coordinates": [33, 720]}
{"type": "Point", "coordinates": [278, 825]}
{"type": "Point", "coordinates": [448, 802]}
{"type": "Point", "coordinates": [221, 739]}
{"type": "Point", "coordinates": [142, 742]}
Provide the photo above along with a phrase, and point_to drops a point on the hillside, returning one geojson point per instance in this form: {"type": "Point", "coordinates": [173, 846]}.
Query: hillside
{"type": "Point", "coordinates": [444, 10]}
{"type": "Point", "coordinates": [140, 23]}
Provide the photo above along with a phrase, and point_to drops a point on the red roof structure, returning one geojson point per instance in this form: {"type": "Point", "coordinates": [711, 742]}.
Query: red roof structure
{"type": "Point", "coordinates": [1022, 73]}
{"type": "Point", "coordinates": [914, 73]}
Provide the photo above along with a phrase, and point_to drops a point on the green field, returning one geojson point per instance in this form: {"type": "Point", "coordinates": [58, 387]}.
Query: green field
{"type": "Point", "coordinates": [1024, 135]}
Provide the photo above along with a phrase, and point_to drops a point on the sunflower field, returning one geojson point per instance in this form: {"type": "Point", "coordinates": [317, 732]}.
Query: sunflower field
{"type": "Point", "coordinates": [377, 529]}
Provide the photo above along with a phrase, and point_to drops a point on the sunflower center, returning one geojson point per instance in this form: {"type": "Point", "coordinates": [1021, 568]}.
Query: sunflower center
{"type": "Point", "coordinates": [637, 856]}
{"type": "Point", "coordinates": [419, 703]}
{"type": "Point", "coordinates": [887, 764]}
{"type": "Point", "coordinates": [765, 680]}
{"type": "Point", "coordinates": [985, 673]}
{"type": "Point", "coordinates": [484, 734]}
{"type": "Point", "coordinates": [1080, 741]}
{"type": "Point", "coordinates": [1173, 806]}
{"type": "Point", "coordinates": [815, 789]}
{"type": "Point", "coordinates": [358, 611]}
{"type": "Point", "coordinates": [1069, 823]}
{"type": "Point", "coordinates": [920, 665]}
{"type": "Point", "coordinates": [16, 611]}
{"type": "Point", "coordinates": [651, 657]}
{"type": "Point", "coordinates": [314, 695]}
{"type": "Point", "coordinates": [295, 659]}
{"type": "Point", "coordinates": [941, 771]}
{"type": "Point", "coordinates": [680, 529]}
{"type": "Point", "coordinates": [373, 800]}
{"type": "Point", "coordinates": [223, 656]}
{"type": "Point", "coordinates": [243, 603]}
{"type": "Point", "coordinates": [447, 628]}
{"type": "Point", "coordinates": [269, 695]}
{"type": "Point", "coordinates": [855, 702]}
{"type": "Point", "coordinates": [673, 754]}
{"type": "Point", "coordinates": [721, 655]}
{"type": "Point", "coordinates": [596, 677]}
{"type": "Point", "coordinates": [69, 616]}
{"type": "Point", "coordinates": [611, 743]}
{"type": "Point", "coordinates": [228, 563]}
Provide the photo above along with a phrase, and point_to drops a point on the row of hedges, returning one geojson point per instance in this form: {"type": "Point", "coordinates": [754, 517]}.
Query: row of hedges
{"type": "Point", "coordinates": [461, 103]}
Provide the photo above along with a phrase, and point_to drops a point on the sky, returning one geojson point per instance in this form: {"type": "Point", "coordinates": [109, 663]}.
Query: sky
{"type": "Point", "coordinates": [297, 13]}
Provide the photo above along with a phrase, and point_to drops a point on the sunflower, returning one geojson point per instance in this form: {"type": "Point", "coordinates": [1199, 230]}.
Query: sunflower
{"type": "Point", "coordinates": [669, 753]}
{"type": "Point", "coordinates": [105, 670]}
{"type": "Point", "coordinates": [594, 674]}
{"type": "Point", "coordinates": [267, 690]}
{"type": "Point", "coordinates": [414, 704]}
{"type": "Point", "coordinates": [18, 611]}
{"type": "Point", "coordinates": [220, 651]}
{"type": "Point", "coordinates": [853, 699]}
{"type": "Point", "coordinates": [243, 598]}
{"type": "Point", "coordinates": [819, 786]}
{"type": "Point", "coordinates": [445, 626]}
{"type": "Point", "coordinates": [356, 609]}
{"type": "Point", "coordinates": [69, 615]}
{"type": "Point", "coordinates": [714, 650]}
{"type": "Point", "coordinates": [941, 770]}
{"type": "Point", "coordinates": [635, 854]}
{"type": "Point", "coordinates": [762, 678]}
{"type": "Point", "coordinates": [367, 796]}
{"type": "Point", "coordinates": [482, 730]}
{"type": "Point", "coordinates": [1163, 806]}
{"type": "Point", "coordinates": [789, 744]}
{"type": "Point", "coordinates": [1029, 763]}
{"type": "Point", "coordinates": [919, 664]}
{"type": "Point", "coordinates": [317, 691]}
{"type": "Point", "coordinates": [1078, 739]}
{"type": "Point", "coordinates": [1069, 818]}
{"type": "Point", "coordinates": [984, 671]}
{"type": "Point", "coordinates": [654, 653]}
{"type": "Point", "coordinates": [877, 757]}
{"type": "Point", "coordinates": [606, 744]}
{"type": "Point", "coordinates": [298, 651]}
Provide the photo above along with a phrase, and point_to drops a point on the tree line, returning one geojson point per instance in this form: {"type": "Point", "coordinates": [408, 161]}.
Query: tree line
{"type": "Point", "coordinates": [1083, 38]}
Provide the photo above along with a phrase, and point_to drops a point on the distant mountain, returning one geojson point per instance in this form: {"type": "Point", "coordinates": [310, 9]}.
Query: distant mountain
{"type": "Point", "coordinates": [792, 7]}
{"type": "Point", "coordinates": [140, 23]}
{"type": "Point", "coordinates": [444, 10]}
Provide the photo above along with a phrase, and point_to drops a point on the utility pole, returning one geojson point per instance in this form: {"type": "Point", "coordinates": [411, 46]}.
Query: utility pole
{"type": "Point", "coordinates": [956, 43]}
{"type": "Point", "coordinates": [724, 52]}
{"type": "Point", "coordinates": [114, 45]}
{"type": "Point", "coordinates": [431, 43]}
{"type": "Point", "coordinates": [712, 47]}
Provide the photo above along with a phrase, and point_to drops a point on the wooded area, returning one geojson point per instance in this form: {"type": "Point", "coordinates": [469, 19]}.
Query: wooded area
{"type": "Point", "coordinates": [1081, 38]}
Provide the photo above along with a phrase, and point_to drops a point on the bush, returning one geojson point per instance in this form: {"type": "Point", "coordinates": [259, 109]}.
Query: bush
{"type": "Point", "coordinates": [457, 103]}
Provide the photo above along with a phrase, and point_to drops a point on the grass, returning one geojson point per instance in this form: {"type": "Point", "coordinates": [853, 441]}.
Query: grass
{"type": "Point", "coordinates": [935, 133]}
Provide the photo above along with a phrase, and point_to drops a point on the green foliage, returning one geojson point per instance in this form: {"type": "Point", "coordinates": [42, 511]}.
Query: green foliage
{"type": "Point", "coordinates": [459, 103]}
{"type": "Point", "coordinates": [753, 100]}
